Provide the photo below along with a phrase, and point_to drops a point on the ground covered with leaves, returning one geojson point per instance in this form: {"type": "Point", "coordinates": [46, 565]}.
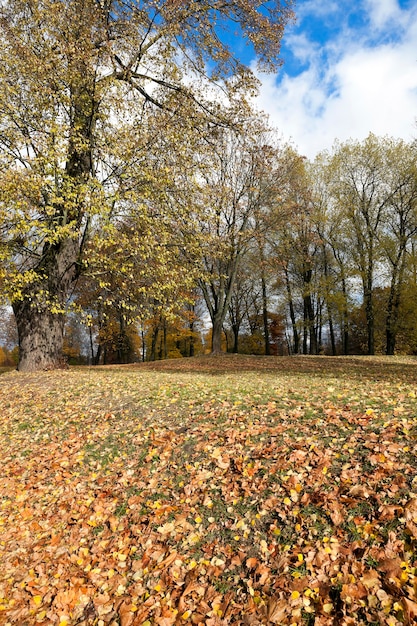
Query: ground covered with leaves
{"type": "Point", "coordinates": [236, 490]}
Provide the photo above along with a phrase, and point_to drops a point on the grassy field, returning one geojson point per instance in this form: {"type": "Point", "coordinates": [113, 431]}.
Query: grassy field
{"type": "Point", "coordinates": [232, 490]}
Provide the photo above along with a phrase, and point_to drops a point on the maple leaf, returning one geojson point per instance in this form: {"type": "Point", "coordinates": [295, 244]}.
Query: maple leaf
{"type": "Point", "coordinates": [277, 610]}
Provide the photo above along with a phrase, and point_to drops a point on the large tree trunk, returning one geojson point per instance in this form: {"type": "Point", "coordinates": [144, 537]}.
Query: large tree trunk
{"type": "Point", "coordinates": [40, 329]}
{"type": "Point", "coordinates": [216, 337]}
{"type": "Point", "coordinates": [41, 337]}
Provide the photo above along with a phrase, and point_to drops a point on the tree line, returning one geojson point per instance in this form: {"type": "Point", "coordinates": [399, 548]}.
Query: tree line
{"type": "Point", "coordinates": [137, 182]}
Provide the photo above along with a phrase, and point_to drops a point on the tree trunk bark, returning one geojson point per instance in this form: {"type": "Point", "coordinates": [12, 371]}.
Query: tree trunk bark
{"type": "Point", "coordinates": [191, 351]}
{"type": "Point", "coordinates": [155, 333]}
{"type": "Point", "coordinates": [40, 329]}
{"type": "Point", "coordinates": [393, 308]}
{"type": "Point", "coordinates": [265, 316]}
{"type": "Point", "coordinates": [41, 337]}
{"type": "Point", "coordinates": [394, 299]}
{"type": "Point", "coordinates": [345, 319]}
{"type": "Point", "coordinates": [369, 312]}
{"type": "Point", "coordinates": [296, 336]}
{"type": "Point", "coordinates": [191, 327]}
{"type": "Point", "coordinates": [98, 354]}
{"type": "Point", "coordinates": [332, 335]}
{"type": "Point", "coordinates": [235, 330]}
{"type": "Point", "coordinates": [309, 316]}
{"type": "Point", "coordinates": [165, 345]}
{"type": "Point", "coordinates": [328, 305]}
{"type": "Point", "coordinates": [216, 337]}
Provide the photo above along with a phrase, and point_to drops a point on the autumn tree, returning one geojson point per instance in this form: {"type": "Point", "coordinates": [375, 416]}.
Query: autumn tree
{"type": "Point", "coordinates": [361, 191]}
{"type": "Point", "coordinates": [237, 178]}
{"type": "Point", "coordinates": [77, 76]}
{"type": "Point", "coordinates": [295, 247]}
{"type": "Point", "coordinates": [273, 212]}
{"type": "Point", "coordinates": [373, 189]}
{"type": "Point", "coordinates": [335, 260]}
{"type": "Point", "coordinates": [399, 229]}
{"type": "Point", "coordinates": [245, 297]}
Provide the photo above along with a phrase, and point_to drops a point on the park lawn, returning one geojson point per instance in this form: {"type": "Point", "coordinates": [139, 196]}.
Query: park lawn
{"type": "Point", "coordinates": [229, 490]}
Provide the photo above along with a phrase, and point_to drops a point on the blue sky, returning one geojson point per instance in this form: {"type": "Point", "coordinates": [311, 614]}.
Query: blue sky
{"type": "Point", "coordinates": [350, 68]}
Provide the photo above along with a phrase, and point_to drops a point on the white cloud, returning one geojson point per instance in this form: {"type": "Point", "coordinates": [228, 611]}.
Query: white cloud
{"type": "Point", "coordinates": [383, 12]}
{"type": "Point", "coordinates": [350, 87]}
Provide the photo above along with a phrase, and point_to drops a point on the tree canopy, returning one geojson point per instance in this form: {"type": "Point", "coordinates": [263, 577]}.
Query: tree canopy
{"type": "Point", "coordinates": [81, 84]}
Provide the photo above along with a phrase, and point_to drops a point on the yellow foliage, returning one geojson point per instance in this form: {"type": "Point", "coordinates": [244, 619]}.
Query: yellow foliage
{"type": "Point", "coordinates": [3, 357]}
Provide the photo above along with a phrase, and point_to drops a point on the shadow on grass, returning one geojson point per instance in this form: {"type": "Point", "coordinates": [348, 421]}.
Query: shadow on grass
{"type": "Point", "coordinates": [369, 367]}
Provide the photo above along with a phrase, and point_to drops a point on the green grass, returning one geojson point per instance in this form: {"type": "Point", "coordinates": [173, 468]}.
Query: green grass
{"type": "Point", "coordinates": [263, 486]}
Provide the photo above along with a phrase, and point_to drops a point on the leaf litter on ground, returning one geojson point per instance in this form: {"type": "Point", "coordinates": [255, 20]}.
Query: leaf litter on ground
{"type": "Point", "coordinates": [229, 490]}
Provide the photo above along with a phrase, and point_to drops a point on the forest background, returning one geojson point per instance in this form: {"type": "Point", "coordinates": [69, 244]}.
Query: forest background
{"type": "Point", "coordinates": [148, 210]}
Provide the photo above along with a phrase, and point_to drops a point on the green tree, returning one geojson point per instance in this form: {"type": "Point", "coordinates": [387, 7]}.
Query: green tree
{"type": "Point", "coordinates": [399, 229]}
{"type": "Point", "coordinates": [295, 245]}
{"type": "Point", "coordinates": [373, 189]}
{"type": "Point", "coordinates": [336, 264]}
{"type": "Point", "coordinates": [77, 79]}
{"type": "Point", "coordinates": [359, 187]}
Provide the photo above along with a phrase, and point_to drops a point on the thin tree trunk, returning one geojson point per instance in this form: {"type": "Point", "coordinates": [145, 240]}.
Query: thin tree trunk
{"type": "Point", "coordinates": [309, 317]}
{"type": "Point", "coordinates": [345, 319]}
{"type": "Point", "coordinates": [393, 305]}
{"type": "Point", "coordinates": [165, 345]}
{"type": "Point", "coordinates": [296, 336]}
{"type": "Point", "coordinates": [369, 312]}
{"type": "Point", "coordinates": [332, 335]}
{"type": "Point", "coordinates": [155, 332]}
{"type": "Point", "coordinates": [142, 335]}
{"type": "Point", "coordinates": [191, 351]}
{"type": "Point", "coordinates": [305, 331]}
{"type": "Point", "coordinates": [328, 306]}
{"type": "Point", "coordinates": [319, 328]}
{"type": "Point", "coordinates": [265, 316]}
{"type": "Point", "coordinates": [191, 327]}
{"type": "Point", "coordinates": [98, 354]}
{"type": "Point", "coordinates": [90, 332]}
{"type": "Point", "coordinates": [235, 329]}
